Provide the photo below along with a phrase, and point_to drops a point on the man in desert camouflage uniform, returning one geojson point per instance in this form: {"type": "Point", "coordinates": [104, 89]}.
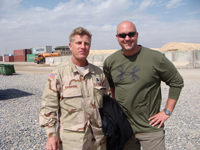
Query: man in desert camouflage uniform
{"type": "Point", "coordinates": [72, 96]}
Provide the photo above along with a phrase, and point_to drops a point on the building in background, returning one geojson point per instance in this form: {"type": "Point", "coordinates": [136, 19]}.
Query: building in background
{"type": "Point", "coordinates": [63, 50]}
{"type": "Point", "coordinates": [42, 49]}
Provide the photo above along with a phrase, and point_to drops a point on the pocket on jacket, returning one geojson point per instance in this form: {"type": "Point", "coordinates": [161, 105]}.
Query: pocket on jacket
{"type": "Point", "coordinates": [99, 90]}
{"type": "Point", "coordinates": [98, 93]}
{"type": "Point", "coordinates": [72, 99]}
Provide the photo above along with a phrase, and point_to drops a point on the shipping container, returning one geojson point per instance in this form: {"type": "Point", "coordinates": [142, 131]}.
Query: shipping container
{"type": "Point", "coordinates": [8, 58]}
{"type": "Point", "coordinates": [1, 58]}
{"type": "Point", "coordinates": [4, 56]}
{"type": "Point", "coordinates": [20, 58]}
{"type": "Point", "coordinates": [42, 49]}
{"type": "Point", "coordinates": [22, 52]}
{"type": "Point", "coordinates": [31, 57]}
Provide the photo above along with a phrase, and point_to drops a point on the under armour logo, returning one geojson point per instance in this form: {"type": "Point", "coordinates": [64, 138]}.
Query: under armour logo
{"type": "Point", "coordinates": [133, 75]}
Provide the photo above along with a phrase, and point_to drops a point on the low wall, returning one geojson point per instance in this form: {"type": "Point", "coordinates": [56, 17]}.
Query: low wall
{"type": "Point", "coordinates": [197, 59]}
{"type": "Point", "coordinates": [181, 59]}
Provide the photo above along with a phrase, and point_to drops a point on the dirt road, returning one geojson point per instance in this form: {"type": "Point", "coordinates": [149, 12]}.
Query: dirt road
{"type": "Point", "coordinates": [30, 67]}
{"type": "Point", "coordinates": [33, 68]}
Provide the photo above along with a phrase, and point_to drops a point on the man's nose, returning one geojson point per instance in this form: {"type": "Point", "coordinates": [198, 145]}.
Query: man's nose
{"type": "Point", "coordinates": [127, 37]}
{"type": "Point", "coordinates": [82, 45]}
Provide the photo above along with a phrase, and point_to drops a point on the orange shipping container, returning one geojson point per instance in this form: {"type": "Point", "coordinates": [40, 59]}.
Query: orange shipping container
{"type": "Point", "coordinates": [1, 58]}
{"type": "Point", "coordinates": [21, 58]}
{"type": "Point", "coordinates": [22, 52]}
{"type": "Point", "coordinates": [8, 58]}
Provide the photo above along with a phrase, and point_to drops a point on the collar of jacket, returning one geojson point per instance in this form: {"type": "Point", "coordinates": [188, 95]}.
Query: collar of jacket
{"type": "Point", "coordinates": [88, 70]}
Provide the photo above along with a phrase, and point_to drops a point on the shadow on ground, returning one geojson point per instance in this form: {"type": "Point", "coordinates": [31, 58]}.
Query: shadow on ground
{"type": "Point", "coordinates": [12, 93]}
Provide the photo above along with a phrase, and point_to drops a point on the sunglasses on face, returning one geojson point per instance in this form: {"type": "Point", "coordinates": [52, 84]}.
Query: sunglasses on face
{"type": "Point", "coordinates": [130, 34]}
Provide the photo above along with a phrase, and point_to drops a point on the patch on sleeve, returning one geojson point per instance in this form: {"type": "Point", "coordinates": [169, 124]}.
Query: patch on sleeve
{"type": "Point", "coordinates": [52, 75]}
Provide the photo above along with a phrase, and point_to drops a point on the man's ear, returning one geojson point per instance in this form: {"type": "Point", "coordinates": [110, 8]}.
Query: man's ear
{"type": "Point", "coordinates": [70, 45]}
{"type": "Point", "coordinates": [116, 37]}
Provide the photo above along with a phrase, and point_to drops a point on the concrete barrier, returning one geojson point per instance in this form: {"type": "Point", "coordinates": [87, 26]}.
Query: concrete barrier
{"type": "Point", "coordinates": [169, 55]}
{"type": "Point", "coordinates": [181, 59]}
{"type": "Point", "coordinates": [197, 59]}
{"type": "Point", "coordinates": [55, 61]}
{"type": "Point", "coordinates": [90, 58]}
{"type": "Point", "coordinates": [184, 59]}
{"type": "Point", "coordinates": [65, 58]}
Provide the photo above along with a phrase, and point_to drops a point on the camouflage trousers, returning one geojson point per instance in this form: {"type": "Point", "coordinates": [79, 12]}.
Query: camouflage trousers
{"type": "Point", "coordinates": [81, 140]}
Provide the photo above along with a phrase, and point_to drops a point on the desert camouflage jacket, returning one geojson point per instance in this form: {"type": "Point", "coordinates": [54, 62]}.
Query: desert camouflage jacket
{"type": "Point", "coordinates": [72, 99]}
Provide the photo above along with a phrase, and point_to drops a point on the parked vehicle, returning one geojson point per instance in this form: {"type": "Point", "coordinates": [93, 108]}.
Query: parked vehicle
{"type": "Point", "coordinates": [40, 58]}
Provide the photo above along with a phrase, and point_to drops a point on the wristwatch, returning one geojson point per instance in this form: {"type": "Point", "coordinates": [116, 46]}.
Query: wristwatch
{"type": "Point", "coordinates": [167, 112]}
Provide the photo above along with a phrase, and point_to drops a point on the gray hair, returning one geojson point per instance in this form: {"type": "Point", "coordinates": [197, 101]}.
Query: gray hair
{"type": "Point", "coordinates": [79, 31]}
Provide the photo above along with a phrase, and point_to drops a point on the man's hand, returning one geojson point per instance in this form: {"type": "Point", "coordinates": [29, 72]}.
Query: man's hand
{"type": "Point", "coordinates": [161, 117]}
{"type": "Point", "coordinates": [52, 143]}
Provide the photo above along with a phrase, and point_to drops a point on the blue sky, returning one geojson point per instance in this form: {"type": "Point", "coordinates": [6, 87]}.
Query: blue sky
{"type": "Point", "coordinates": [32, 23]}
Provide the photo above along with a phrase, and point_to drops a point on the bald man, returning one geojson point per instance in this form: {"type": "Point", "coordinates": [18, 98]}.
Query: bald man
{"type": "Point", "coordinates": [135, 74]}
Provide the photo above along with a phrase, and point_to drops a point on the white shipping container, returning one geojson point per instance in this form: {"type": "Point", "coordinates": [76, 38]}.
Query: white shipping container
{"type": "Point", "coordinates": [42, 49]}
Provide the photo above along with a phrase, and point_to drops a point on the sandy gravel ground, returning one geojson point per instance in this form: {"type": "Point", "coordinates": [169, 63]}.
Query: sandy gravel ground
{"type": "Point", "coordinates": [30, 67]}
{"type": "Point", "coordinates": [19, 114]}
{"type": "Point", "coordinates": [33, 68]}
